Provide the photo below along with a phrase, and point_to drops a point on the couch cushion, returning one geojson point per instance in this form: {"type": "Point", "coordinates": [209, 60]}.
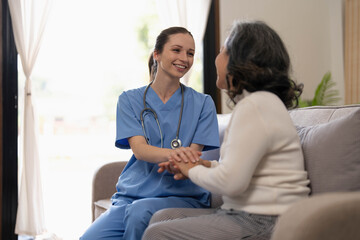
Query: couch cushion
{"type": "Point", "coordinates": [332, 154]}
{"type": "Point", "coordinates": [101, 206]}
{"type": "Point", "coordinates": [214, 154]}
{"type": "Point", "coordinates": [310, 116]}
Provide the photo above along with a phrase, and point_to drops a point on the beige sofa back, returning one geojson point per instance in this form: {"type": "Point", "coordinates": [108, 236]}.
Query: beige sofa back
{"type": "Point", "coordinates": [320, 114]}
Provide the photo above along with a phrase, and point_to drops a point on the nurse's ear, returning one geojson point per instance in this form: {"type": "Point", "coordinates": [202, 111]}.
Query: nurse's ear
{"type": "Point", "coordinates": [156, 55]}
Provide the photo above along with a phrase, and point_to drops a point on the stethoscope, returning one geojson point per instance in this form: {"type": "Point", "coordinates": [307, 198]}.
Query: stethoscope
{"type": "Point", "coordinates": [175, 143]}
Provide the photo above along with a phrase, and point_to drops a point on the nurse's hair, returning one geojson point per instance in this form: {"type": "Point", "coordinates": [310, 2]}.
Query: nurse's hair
{"type": "Point", "coordinates": [161, 40]}
{"type": "Point", "coordinates": [259, 61]}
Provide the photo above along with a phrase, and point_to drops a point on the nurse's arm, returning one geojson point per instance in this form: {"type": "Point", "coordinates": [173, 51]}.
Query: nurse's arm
{"type": "Point", "coordinates": [146, 152]}
{"type": "Point", "coordinates": [185, 154]}
{"type": "Point", "coordinates": [182, 155]}
{"type": "Point", "coordinates": [197, 147]}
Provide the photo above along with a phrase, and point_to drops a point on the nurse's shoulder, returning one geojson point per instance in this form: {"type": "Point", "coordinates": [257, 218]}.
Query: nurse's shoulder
{"type": "Point", "coordinates": [132, 95]}
{"type": "Point", "coordinates": [198, 98]}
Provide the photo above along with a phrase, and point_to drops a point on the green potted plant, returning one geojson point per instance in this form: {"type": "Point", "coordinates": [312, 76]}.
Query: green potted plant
{"type": "Point", "coordinates": [324, 94]}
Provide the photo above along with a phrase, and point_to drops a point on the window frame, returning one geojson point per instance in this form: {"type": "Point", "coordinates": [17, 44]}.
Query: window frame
{"type": "Point", "coordinates": [9, 127]}
{"type": "Point", "coordinates": [211, 49]}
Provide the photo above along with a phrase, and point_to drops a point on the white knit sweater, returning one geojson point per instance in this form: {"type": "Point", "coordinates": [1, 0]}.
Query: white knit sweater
{"type": "Point", "coordinates": [261, 169]}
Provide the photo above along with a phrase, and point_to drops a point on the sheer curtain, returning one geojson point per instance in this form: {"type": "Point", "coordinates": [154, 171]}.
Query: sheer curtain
{"type": "Point", "coordinates": [352, 51]}
{"type": "Point", "coordinates": [29, 19]}
{"type": "Point", "coordinates": [192, 15]}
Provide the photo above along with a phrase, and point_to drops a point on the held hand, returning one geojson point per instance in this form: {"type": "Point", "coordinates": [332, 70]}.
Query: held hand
{"type": "Point", "coordinates": [185, 154]}
{"type": "Point", "coordinates": [171, 169]}
{"type": "Point", "coordinates": [168, 167]}
{"type": "Point", "coordinates": [184, 167]}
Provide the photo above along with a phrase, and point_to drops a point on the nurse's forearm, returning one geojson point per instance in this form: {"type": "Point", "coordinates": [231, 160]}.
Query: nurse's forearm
{"type": "Point", "coordinates": [152, 154]}
{"type": "Point", "coordinates": [148, 153]}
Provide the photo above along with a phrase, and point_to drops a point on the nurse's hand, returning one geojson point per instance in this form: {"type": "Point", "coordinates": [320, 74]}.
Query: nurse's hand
{"type": "Point", "coordinates": [171, 169]}
{"type": "Point", "coordinates": [185, 154]}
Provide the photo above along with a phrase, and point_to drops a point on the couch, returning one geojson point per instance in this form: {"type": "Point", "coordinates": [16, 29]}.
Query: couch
{"type": "Point", "coordinates": [330, 138]}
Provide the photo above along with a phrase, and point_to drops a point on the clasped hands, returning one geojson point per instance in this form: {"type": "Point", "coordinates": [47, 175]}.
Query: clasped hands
{"type": "Point", "coordinates": [180, 161]}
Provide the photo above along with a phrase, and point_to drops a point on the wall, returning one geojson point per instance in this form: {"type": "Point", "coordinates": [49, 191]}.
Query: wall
{"type": "Point", "coordinates": [311, 29]}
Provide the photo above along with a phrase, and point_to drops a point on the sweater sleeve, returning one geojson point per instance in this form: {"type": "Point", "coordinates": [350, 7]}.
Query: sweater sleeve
{"type": "Point", "coordinates": [244, 146]}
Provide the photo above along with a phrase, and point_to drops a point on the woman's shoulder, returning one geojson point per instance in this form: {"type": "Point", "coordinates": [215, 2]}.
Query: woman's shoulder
{"type": "Point", "coordinates": [269, 107]}
{"type": "Point", "coordinates": [261, 96]}
{"type": "Point", "coordinates": [262, 103]}
{"type": "Point", "coordinates": [262, 99]}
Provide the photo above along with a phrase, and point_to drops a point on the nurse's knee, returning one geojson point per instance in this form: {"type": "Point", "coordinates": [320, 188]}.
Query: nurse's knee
{"type": "Point", "coordinates": [108, 224]}
{"type": "Point", "coordinates": [137, 213]}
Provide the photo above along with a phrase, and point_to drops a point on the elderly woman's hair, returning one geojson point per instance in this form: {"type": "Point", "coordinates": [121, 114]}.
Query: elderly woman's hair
{"type": "Point", "coordinates": [258, 60]}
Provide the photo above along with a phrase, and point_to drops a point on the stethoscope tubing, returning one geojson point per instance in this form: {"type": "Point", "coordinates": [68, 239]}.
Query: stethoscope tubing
{"type": "Point", "coordinates": [157, 122]}
{"type": "Point", "coordinates": [175, 143]}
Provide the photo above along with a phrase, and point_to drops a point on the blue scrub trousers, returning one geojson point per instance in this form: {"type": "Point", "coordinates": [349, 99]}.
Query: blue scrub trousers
{"type": "Point", "coordinates": [128, 218]}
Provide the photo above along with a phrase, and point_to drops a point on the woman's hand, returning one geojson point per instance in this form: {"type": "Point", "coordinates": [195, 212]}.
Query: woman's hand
{"type": "Point", "coordinates": [184, 167]}
{"type": "Point", "coordinates": [179, 169]}
{"type": "Point", "coordinates": [183, 159]}
{"type": "Point", "coordinates": [182, 154]}
{"type": "Point", "coordinates": [185, 154]}
{"type": "Point", "coordinates": [168, 166]}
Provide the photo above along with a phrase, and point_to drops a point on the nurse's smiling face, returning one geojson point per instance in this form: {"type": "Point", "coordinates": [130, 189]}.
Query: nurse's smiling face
{"type": "Point", "coordinates": [177, 56]}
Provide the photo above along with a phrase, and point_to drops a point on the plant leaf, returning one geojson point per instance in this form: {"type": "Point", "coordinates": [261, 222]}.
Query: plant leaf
{"type": "Point", "coordinates": [323, 94]}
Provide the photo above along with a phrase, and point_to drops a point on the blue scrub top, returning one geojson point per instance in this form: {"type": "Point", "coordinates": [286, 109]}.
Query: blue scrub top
{"type": "Point", "coordinates": [198, 125]}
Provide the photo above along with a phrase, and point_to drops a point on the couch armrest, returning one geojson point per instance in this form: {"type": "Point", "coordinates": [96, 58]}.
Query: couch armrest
{"type": "Point", "coordinates": [327, 216]}
{"type": "Point", "coordinates": [104, 182]}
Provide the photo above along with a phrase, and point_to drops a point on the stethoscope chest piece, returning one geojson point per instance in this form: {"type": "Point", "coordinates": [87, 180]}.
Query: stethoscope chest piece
{"type": "Point", "coordinates": [175, 143]}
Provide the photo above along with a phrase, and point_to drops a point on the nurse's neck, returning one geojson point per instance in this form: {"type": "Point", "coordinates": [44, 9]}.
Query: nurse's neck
{"type": "Point", "coordinates": [165, 88]}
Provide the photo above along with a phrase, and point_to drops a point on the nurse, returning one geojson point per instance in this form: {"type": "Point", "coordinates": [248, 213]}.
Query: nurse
{"type": "Point", "coordinates": [152, 120]}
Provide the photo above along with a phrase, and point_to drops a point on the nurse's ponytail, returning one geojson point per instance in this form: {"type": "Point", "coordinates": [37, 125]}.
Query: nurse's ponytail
{"type": "Point", "coordinates": [152, 67]}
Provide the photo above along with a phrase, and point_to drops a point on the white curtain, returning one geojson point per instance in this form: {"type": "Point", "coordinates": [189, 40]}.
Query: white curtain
{"type": "Point", "coordinates": [29, 18]}
{"type": "Point", "coordinates": [352, 51]}
{"type": "Point", "coordinates": [192, 15]}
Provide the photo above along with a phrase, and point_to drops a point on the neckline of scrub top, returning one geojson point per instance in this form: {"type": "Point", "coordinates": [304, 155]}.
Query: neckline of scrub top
{"type": "Point", "coordinates": [173, 100]}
